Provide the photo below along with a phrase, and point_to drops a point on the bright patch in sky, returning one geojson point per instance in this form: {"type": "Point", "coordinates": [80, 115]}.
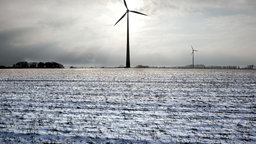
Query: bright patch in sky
{"type": "Point", "coordinates": [135, 4]}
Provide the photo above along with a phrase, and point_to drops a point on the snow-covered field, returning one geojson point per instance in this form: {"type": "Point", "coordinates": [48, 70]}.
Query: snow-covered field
{"type": "Point", "coordinates": [127, 106]}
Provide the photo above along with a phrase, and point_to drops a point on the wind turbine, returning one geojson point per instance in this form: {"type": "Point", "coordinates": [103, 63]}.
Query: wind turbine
{"type": "Point", "coordinates": [193, 56]}
{"type": "Point", "coordinates": [128, 65]}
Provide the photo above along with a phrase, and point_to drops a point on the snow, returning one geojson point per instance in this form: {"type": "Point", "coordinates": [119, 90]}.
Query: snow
{"type": "Point", "coordinates": [127, 106]}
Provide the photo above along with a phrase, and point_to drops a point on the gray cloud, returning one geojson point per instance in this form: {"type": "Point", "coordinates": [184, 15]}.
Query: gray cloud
{"type": "Point", "coordinates": [81, 32]}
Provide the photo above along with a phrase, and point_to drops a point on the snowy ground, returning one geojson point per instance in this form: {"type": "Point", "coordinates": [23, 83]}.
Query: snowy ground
{"type": "Point", "coordinates": [127, 106]}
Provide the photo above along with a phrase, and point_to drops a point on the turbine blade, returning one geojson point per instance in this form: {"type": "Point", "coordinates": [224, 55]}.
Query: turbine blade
{"type": "Point", "coordinates": [139, 13]}
{"type": "Point", "coordinates": [125, 4]}
{"type": "Point", "coordinates": [120, 18]}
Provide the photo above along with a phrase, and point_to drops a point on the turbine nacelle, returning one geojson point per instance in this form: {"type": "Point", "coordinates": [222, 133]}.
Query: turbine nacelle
{"type": "Point", "coordinates": [193, 50]}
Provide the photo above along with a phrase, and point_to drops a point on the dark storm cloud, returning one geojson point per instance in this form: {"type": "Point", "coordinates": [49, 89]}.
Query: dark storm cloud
{"type": "Point", "coordinates": [47, 51]}
{"type": "Point", "coordinates": [9, 52]}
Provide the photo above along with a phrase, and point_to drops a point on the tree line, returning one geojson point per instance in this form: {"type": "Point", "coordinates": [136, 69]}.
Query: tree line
{"type": "Point", "coordinates": [25, 64]}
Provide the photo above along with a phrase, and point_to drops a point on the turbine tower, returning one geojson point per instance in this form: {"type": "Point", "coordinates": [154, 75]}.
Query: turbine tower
{"type": "Point", "coordinates": [128, 64]}
{"type": "Point", "coordinates": [193, 56]}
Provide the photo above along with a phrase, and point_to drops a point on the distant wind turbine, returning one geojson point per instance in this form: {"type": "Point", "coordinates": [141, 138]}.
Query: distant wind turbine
{"type": "Point", "coordinates": [128, 65]}
{"type": "Point", "coordinates": [193, 56]}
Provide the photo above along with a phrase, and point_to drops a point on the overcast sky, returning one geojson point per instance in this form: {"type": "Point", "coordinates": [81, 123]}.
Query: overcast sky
{"type": "Point", "coordinates": [82, 32]}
